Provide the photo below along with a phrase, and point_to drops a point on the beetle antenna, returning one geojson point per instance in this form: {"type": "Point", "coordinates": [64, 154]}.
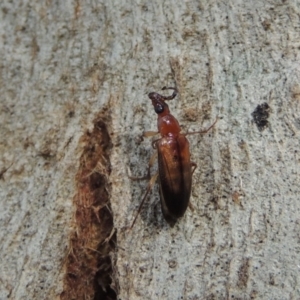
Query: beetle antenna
{"type": "Point", "coordinates": [173, 95]}
{"type": "Point", "coordinates": [203, 131]}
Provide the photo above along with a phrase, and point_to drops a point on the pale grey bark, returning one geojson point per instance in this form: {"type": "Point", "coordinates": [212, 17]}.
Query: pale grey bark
{"type": "Point", "coordinates": [62, 62]}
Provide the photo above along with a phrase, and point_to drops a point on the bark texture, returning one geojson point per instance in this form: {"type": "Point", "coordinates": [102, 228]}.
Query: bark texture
{"type": "Point", "coordinates": [69, 69]}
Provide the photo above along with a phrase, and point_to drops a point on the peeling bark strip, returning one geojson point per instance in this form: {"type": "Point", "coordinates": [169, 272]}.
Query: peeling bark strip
{"type": "Point", "coordinates": [89, 265]}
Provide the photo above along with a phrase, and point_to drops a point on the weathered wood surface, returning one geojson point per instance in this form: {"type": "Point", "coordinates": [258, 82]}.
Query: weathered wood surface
{"type": "Point", "coordinates": [63, 62]}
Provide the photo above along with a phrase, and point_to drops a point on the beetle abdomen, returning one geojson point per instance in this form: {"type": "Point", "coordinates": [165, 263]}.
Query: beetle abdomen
{"type": "Point", "coordinates": [175, 176]}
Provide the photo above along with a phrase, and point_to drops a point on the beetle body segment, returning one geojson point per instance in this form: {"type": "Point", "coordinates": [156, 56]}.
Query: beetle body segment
{"type": "Point", "coordinates": [175, 176]}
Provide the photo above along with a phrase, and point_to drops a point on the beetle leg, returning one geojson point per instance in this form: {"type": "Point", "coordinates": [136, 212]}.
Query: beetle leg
{"type": "Point", "coordinates": [191, 206]}
{"type": "Point", "coordinates": [150, 165]}
{"type": "Point", "coordinates": [150, 133]}
{"type": "Point", "coordinates": [203, 131]}
{"type": "Point", "coordinates": [195, 167]}
{"type": "Point", "coordinates": [154, 143]}
{"type": "Point", "coordinates": [151, 162]}
{"type": "Point", "coordinates": [149, 187]}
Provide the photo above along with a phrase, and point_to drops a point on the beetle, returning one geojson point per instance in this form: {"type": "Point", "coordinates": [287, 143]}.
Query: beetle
{"type": "Point", "coordinates": [175, 168]}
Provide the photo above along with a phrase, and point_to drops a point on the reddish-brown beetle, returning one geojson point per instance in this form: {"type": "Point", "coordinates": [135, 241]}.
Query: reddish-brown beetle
{"type": "Point", "coordinates": [175, 168]}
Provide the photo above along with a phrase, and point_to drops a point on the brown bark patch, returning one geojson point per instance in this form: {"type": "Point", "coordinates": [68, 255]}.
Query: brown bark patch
{"type": "Point", "coordinates": [89, 266]}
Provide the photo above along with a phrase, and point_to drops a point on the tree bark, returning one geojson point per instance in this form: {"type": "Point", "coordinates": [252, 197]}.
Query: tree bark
{"type": "Point", "coordinates": [74, 106]}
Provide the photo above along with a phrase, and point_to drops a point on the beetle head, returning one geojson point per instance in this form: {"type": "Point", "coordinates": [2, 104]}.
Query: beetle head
{"type": "Point", "coordinates": [160, 106]}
